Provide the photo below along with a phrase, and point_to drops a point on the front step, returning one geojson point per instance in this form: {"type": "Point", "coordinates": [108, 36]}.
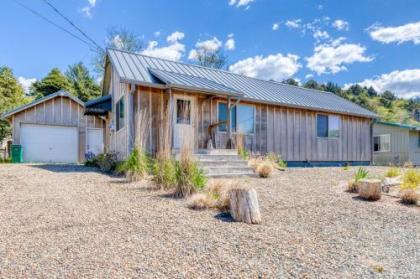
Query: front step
{"type": "Point", "coordinates": [220, 163]}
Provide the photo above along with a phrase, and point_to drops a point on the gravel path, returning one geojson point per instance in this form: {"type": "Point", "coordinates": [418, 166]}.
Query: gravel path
{"type": "Point", "coordinates": [70, 221]}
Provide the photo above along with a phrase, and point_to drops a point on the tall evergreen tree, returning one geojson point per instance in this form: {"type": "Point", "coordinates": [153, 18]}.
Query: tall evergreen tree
{"type": "Point", "coordinates": [83, 84]}
{"type": "Point", "coordinates": [312, 84]}
{"type": "Point", "coordinates": [50, 84]}
{"type": "Point", "coordinates": [290, 81]}
{"type": "Point", "coordinates": [11, 96]}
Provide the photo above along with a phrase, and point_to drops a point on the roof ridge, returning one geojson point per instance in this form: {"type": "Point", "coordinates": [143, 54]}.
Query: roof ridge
{"type": "Point", "coordinates": [224, 71]}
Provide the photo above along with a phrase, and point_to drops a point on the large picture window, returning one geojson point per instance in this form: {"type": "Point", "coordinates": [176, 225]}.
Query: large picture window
{"type": "Point", "coordinates": [328, 126]}
{"type": "Point", "coordinates": [241, 117]}
{"type": "Point", "coordinates": [120, 114]}
{"type": "Point", "coordinates": [382, 143]}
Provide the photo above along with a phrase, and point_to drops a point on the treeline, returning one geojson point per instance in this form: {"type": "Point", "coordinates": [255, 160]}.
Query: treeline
{"type": "Point", "coordinates": [386, 104]}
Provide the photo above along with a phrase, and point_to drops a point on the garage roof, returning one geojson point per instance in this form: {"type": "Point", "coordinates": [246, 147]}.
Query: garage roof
{"type": "Point", "coordinates": [151, 71]}
{"type": "Point", "coordinates": [61, 93]}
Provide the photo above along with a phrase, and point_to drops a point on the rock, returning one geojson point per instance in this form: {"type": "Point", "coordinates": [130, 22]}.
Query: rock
{"type": "Point", "coordinates": [370, 189]}
{"type": "Point", "coordinates": [244, 205]}
{"type": "Point", "coordinates": [392, 181]}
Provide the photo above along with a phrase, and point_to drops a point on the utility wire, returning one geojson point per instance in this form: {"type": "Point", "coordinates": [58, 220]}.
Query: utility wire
{"type": "Point", "coordinates": [56, 25]}
{"type": "Point", "coordinates": [74, 25]}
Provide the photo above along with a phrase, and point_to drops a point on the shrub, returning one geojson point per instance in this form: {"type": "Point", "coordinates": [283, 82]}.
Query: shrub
{"type": "Point", "coordinates": [200, 201]}
{"type": "Point", "coordinates": [189, 177]}
{"type": "Point", "coordinates": [136, 166]}
{"type": "Point", "coordinates": [360, 174]}
{"type": "Point", "coordinates": [106, 162]}
{"type": "Point", "coordinates": [165, 172]}
{"type": "Point", "coordinates": [264, 169]}
{"type": "Point", "coordinates": [411, 180]}
{"type": "Point", "coordinates": [277, 161]}
{"type": "Point", "coordinates": [409, 196]}
{"type": "Point", "coordinates": [255, 162]}
{"type": "Point", "coordinates": [392, 172]}
{"type": "Point", "coordinates": [243, 153]}
{"type": "Point", "coordinates": [5, 160]}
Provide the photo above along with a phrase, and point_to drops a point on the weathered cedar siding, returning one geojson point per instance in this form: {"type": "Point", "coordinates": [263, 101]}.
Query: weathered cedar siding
{"type": "Point", "coordinates": [59, 111]}
{"type": "Point", "coordinates": [286, 131]}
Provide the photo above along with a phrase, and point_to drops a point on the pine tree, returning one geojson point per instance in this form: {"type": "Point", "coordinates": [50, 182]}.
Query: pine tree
{"type": "Point", "coordinates": [83, 84]}
{"type": "Point", "coordinates": [50, 84]}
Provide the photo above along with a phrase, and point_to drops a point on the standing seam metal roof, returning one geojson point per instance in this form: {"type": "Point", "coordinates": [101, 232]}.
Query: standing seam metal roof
{"type": "Point", "coordinates": [133, 67]}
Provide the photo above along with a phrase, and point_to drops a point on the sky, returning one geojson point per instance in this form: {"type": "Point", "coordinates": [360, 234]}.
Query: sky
{"type": "Point", "coordinates": [370, 42]}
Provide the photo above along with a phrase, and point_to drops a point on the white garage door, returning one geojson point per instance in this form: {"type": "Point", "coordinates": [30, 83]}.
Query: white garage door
{"type": "Point", "coordinates": [49, 144]}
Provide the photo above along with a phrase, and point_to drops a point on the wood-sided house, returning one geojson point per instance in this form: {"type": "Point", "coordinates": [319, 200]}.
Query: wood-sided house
{"type": "Point", "coordinates": [307, 127]}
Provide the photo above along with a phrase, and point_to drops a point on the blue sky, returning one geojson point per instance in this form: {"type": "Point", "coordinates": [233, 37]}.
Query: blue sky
{"type": "Point", "coordinates": [373, 42]}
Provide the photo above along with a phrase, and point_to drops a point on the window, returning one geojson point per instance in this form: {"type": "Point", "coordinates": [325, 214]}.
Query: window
{"type": "Point", "coordinates": [382, 143]}
{"type": "Point", "coordinates": [328, 126]}
{"type": "Point", "coordinates": [183, 111]}
{"type": "Point", "coordinates": [120, 114]}
{"type": "Point", "coordinates": [242, 118]}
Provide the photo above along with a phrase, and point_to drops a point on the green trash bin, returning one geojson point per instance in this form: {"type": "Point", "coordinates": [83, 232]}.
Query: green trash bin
{"type": "Point", "coordinates": [17, 153]}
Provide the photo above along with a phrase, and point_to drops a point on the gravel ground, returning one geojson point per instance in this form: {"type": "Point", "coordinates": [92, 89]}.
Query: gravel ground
{"type": "Point", "coordinates": [70, 221]}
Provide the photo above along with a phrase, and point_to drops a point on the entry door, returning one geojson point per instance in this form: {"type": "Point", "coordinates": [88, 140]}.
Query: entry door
{"type": "Point", "coordinates": [183, 121]}
{"type": "Point", "coordinates": [95, 141]}
{"type": "Point", "coordinates": [49, 144]}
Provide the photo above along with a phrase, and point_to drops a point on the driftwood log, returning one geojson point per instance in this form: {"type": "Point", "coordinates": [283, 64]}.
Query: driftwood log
{"type": "Point", "coordinates": [370, 189]}
{"type": "Point", "coordinates": [244, 205]}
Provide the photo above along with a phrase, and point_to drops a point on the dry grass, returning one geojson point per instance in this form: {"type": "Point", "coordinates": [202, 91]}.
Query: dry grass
{"type": "Point", "coordinates": [200, 201]}
{"type": "Point", "coordinates": [408, 165]}
{"type": "Point", "coordinates": [219, 191]}
{"type": "Point", "coordinates": [255, 162]}
{"type": "Point", "coordinates": [352, 186]}
{"type": "Point", "coordinates": [392, 172]}
{"type": "Point", "coordinates": [409, 196]}
{"type": "Point", "coordinates": [264, 169]}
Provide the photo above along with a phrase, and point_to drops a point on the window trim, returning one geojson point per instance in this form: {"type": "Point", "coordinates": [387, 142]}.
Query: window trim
{"type": "Point", "coordinates": [328, 128]}
{"type": "Point", "coordinates": [382, 151]}
{"type": "Point", "coordinates": [117, 114]}
{"type": "Point", "coordinates": [235, 132]}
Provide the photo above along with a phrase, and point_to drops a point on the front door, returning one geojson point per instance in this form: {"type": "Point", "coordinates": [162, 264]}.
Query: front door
{"type": "Point", "coordinates": [95, 141]}
{"type": "Point", "coordinates": [183, 121]}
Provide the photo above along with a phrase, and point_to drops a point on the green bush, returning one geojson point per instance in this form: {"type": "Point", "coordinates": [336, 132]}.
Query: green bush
{"type": "Point", "coordinates": [106, 162]}
{"type": "Point", "coordinates": [360, 174]}
{"type": "Point", "coordinates": [164, 171]}
{"type": "Point", "coordinates": [5, 161]}
{"type": "Point", "coordinates": [136, 166]}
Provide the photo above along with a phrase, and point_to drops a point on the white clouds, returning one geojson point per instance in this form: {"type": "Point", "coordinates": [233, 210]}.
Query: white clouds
{"type": "Point", "coordinates": [320, 35]}
{"type": "Point", "coordinates": [173, 51]}
{"type": "Point", "coordinates": [276, 26]}
{"type": "Point", "coordinates": [230, 43]}
{"type": "Point", "coordinates": [405, 84]}
{"type": "Point", "coordinates": [332, 57]}
{"type": "Point", "coordinates": [26, 83]}
{"type": "Point", "coordinates": [239, 3]}
{"type": "Point", "coordinates": [272, 67]}
{"type": "Point", "coordinates": [174, 37]}
{"type": "Point", "coordinates": [400, 34]}
{"type": "Point", "coordinates": [341, 25]}
{"type": "Point", "coordinates": [295, 23]}
{"type": "Point", "coordinates": [213, 44]}
{"type": "Point", "coordinates": [87, 10]}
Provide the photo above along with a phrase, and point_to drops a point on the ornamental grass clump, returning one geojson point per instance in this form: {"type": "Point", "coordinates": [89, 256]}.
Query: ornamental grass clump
{"type": "Point", "coordinates": [136, 166]}
{"type": "Point", "coordinates": [353, 185]}
{"type": "Point", "coordinates": [200, 201]}
{"type": "Point", "coordinates": [264, 169]}
{"type": "Point", "coordinates": [219, 192]}
{"type": "Point", "coordinates": [277, 161]}
{"type": "Point", "coordinates": [408, 189]}
{"type": "Point", "coordinates": [392, 172]}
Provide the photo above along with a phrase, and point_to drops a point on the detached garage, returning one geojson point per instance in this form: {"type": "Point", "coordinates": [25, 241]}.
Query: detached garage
{"type": "Point", "coordinates": [54, 129]}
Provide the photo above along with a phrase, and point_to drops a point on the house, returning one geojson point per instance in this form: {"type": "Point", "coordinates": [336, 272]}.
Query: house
{"type": "Point", "coordinates": [307, 127]}
{"type": "Point", "coordinates": [54, 129]}
{"type": "Point", "coordinates": [395, 143]}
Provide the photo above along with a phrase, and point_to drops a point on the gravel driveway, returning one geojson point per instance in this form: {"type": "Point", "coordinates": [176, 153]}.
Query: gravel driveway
{"type": "Point", "coordinates": [70, 221]}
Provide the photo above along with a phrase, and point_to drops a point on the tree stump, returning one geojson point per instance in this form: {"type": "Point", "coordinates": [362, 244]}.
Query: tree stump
{"type": "Point", "coordinates": [244, 205]}
{"type": "Point", "coordinates": [370, 189]}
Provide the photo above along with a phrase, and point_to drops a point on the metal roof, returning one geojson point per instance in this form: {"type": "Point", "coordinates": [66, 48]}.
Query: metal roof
{"type": "Point", "coordinates": [146, 70]}
{"type": "Point", "coordinates": [400, 125]}
{"type": "Point", "coordinates": [61, 93]}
